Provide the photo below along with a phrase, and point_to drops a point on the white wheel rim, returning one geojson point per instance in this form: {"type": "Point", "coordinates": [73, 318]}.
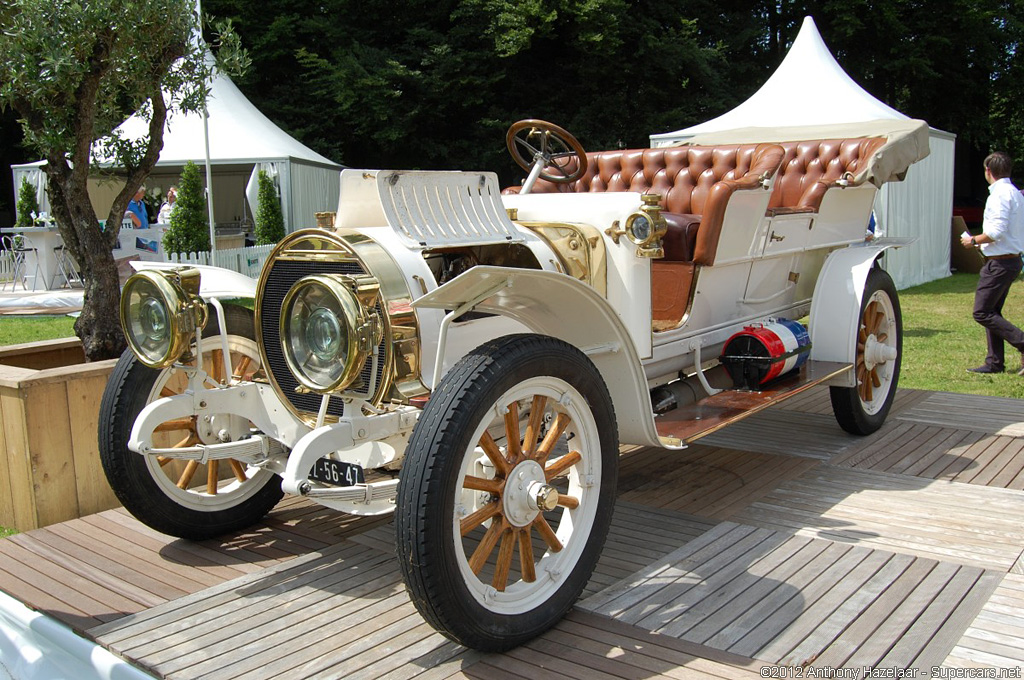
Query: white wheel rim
{"type": "Point", "coordinates": [230, 492]}
{"type": "Point", "coordinates": [877, 352]}
{"type": "Point", "coordinates": [580, 480]}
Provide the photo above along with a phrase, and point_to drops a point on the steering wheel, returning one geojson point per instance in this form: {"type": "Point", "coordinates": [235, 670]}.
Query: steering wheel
{"type": "Point", "coordinates": [547, 151]}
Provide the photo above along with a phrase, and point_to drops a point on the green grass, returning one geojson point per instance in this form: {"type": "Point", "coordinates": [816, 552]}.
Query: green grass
{"type": "Point", "coordinates": [941, 340]}
{"type": "Point", "coordinates": [15, 330]}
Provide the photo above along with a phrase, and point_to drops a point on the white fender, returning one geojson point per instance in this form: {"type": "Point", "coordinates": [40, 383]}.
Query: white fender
{"type": "Point", "coordinates": [215, 282]}
{"type": "Point", "coordinates": [835, 307]}
{"type": "Point", "coordinates": [559, 306]}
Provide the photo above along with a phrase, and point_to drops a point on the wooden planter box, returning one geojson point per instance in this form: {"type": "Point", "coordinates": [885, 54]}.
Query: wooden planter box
{"type": "Point", "coordinates": [49, 456]}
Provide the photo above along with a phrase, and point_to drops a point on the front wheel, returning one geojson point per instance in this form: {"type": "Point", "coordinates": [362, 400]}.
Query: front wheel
{"type": "Point", "coordinates": [184, 499]}
{"type": "Point", "coordinates": [863, 409]}
{"type": "Point", "coordinates": [506, 491]}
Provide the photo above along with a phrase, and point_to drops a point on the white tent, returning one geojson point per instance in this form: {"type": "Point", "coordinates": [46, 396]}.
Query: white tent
{"type": "Point", "coordinates": [810, 89]}
{"type": "Point", "coordinates": [242, 140]}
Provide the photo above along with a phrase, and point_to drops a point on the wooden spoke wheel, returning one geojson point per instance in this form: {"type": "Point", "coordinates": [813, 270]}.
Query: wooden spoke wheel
{"type": "Point", "coordinates": [863, 409]}
{"type": "Point", "coordinates": [217, 483]}
{"type": "Point", "coordinates": [185, 498]}
{"type": "Point", "coordinates": [562, 157]}
{"type": "Point", "coordinates": [507, 491]}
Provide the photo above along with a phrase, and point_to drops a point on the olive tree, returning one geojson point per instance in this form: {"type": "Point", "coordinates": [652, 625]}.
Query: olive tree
{"type": "Point", "coordinates": [73, 72]}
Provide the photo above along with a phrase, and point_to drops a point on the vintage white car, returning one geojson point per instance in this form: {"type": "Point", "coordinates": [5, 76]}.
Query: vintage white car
{"type": "Point", "coordinates": [473, 360]}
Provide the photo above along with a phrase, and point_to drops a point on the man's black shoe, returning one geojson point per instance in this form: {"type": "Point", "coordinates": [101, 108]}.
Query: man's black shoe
{"type": "Point", "coordinates": [989, 369]}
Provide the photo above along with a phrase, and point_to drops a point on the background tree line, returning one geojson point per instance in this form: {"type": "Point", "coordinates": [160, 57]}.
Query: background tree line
{"type": "Point", "coordinates": [434, 84]}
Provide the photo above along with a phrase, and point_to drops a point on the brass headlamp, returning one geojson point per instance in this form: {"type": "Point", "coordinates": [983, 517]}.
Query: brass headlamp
{"type": "Point", "coordinates": [161, 311]}
{"type": "Point", "coordinates": [646, 227]}
{"type": "Point", "coordinates": [329, 328]}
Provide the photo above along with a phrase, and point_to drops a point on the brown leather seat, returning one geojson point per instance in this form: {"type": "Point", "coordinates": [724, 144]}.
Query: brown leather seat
{"type": "Point", "coordinates": [680, 241]}
{"type": "Point", "coordinates": [810, 168]}
{"type": "Point", "coordinates": [695, 183]}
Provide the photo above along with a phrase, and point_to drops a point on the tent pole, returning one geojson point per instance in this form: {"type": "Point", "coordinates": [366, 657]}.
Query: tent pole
{"type": "Point", "coordinates": [209, 187]}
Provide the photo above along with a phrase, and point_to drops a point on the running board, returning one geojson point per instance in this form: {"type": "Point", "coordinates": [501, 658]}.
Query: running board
{"type": "Point", "coordinates": [689, 423]}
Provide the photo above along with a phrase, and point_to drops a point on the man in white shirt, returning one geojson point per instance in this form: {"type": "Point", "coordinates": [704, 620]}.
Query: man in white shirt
{"type": "Point", "coordinates": [1001, 242]}
{"type": "Point", "coordinates": [165, 210]}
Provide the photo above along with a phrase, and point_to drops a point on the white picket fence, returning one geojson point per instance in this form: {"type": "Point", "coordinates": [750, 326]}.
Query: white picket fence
{"type": "Point", "coordinates": [6, 265]}
{"type": "Point", "coordinates": [248, 261]}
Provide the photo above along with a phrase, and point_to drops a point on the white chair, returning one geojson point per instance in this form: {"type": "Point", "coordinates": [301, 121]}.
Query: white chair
{"type": "Point", "coordinates": [67, 269]}
{"type": "Point", "coordinates": [20, 247]}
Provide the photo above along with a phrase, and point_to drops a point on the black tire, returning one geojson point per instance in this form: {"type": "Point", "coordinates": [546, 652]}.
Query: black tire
{"type": "Point", "coordinates": [435, 492]}
{"type": "Point", "coordinates": [863, 409]}
{"type": "Point", "coordinates": [144, 487]}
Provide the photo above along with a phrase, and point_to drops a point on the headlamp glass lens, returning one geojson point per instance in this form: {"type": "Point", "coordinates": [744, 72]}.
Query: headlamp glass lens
{"type": "Point", "coordinates": [317, 337]}
{"type": "Point", "coordinates": [323, 334]}
{"type": "Point", "coordinates": [641, 228]}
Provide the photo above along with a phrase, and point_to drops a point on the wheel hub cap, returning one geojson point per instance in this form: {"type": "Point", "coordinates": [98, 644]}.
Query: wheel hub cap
{"type": "Point", "coordinates": [527, 493]}
{"type": "Point", "coordinates": [876, 353]}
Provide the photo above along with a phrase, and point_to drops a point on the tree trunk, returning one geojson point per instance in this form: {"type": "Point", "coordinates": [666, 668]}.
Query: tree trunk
{"type": "Point", "coordinates": [99, 326]}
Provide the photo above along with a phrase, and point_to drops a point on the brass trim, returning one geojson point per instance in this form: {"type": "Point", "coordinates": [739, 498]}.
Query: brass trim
{"type": "Point", "coordinates": [580, 251]}
{"type": "Point", "coordinates": [615, 232]}
{"type": "Point", "coordinates": [690, 297]}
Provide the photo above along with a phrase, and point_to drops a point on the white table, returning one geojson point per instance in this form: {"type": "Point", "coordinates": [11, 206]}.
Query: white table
{"type": "Point", "coordinates": [146, 244]}
{"type": "Point", "coordinates": [44, 240]}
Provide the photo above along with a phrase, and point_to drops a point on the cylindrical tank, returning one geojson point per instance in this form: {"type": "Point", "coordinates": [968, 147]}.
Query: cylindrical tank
{"type": "Point", "coordinates": [762, 352]}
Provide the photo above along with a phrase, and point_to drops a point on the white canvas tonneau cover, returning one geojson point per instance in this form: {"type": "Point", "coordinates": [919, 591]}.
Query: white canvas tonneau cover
{"type": "Point", "coordinates": [907, 142]}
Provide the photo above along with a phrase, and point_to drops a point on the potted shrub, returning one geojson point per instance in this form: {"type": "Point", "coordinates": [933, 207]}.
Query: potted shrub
{"type": "Point", "coordinates": [269, 220]}
{"type": "Point", "coordinates": [28, 205]}
{"type": "Point", "coordinates": [189, 230]}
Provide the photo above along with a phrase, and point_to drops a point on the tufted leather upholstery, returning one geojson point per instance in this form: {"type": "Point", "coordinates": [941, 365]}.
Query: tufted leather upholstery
{"type": "Point", "coordinates": [810, 168]}
{"type": "Point", "coordinates": [695, 183]}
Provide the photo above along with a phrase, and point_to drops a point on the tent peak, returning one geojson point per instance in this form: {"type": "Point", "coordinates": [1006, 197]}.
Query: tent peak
{"type": "Point", "coordinates": [808, 88]}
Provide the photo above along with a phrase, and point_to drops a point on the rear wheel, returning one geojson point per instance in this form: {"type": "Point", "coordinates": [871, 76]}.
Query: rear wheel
{"type": "Point", "coordinates": [864, 408]}
{"type": "Point", "coordinates": [506, 491]}
{"type": "Point", "coordinates": [183, 498]}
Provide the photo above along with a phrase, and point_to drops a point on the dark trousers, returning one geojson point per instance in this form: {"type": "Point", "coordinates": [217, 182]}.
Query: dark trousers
{"type": "Point", "coordinates": [993, 286]}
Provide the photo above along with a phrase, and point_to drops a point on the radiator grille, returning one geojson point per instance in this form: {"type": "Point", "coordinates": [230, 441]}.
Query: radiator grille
{"type": "Point", "coordinates": [282, 276]}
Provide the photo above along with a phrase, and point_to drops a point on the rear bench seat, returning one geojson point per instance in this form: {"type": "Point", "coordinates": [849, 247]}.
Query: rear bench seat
{"type": "Point", "coordinates": [695, 182]}
{"type": "Point", "coordinates": [810, 168]}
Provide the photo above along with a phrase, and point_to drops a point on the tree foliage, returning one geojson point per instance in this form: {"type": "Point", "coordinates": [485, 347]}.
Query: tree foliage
{"type": "Point", "coordinates": [189, 230]}
{"type": "Point", "coordinates": [73, 72]}
{"type": "Point", "coordinates": [434, 85]}
{"type": "Point", "coordinates": [269, 219]}
{"type": "Point", "coordinates": [28, 204]}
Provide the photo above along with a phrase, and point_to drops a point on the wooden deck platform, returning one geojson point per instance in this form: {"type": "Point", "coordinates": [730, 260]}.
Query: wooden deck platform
{"type": "Point", "coordinates": [777, 540]}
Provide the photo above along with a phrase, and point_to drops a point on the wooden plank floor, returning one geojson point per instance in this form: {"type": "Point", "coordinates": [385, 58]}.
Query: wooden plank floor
{"type": "Point", "coordinates": [785, 599]}
{"type": "Point", "coordinates": [778, 540]}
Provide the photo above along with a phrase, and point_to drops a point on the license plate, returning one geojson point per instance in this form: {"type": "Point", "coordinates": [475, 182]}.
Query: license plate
{"type": "Point", "coordinates": [336, 473]}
